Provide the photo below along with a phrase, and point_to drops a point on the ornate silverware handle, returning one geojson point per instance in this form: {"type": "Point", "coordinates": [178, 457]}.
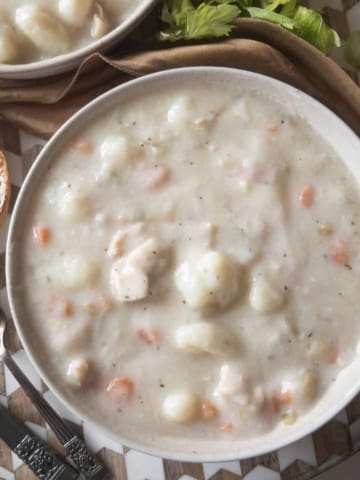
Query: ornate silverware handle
{"type": "Point", "coordinates": [84, 460]}
{"type": "Point", "coordinates": [43, 461]}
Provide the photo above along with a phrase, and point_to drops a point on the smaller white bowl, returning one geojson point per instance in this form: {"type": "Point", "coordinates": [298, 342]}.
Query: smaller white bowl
{"type": "Point", "coordinates": [69, 61]}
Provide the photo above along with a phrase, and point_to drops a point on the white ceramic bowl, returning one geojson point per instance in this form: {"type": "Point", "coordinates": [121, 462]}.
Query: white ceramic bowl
{"type": "Point", "coordinates": [323, 121]}
{"type": "Point", "coordinates": [68, 61]}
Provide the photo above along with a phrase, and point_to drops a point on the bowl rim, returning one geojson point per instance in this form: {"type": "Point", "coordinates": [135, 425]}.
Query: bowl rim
{"type": "Point", "coordinates": [72, 122]}
{"type": "Point", "coordinates": [70, 60]}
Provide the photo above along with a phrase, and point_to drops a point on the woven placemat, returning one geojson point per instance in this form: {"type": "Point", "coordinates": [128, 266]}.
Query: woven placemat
{"type": "Point", "coordinates": [303, 460]}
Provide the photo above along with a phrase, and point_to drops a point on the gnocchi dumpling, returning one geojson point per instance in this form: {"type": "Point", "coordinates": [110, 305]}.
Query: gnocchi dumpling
{"type": "Point", "coordinates": [265, 296]}
{"type": "Point", "coordinates": [75, 12]}
{"type": "Point", "coordinates": [128, 283]}
{"type": "Point", "coordinates": [181, 407]}
{"type": "Point", "coordinates": [74, 206]}
{"type": "Point", "coordinates": [8, 44]}
{"type": "Point", "coordinates": [75, 271]}
{"type": "Point", "coordinates": [77, 372]}
{"type": "Point", "coordinates": [114, 153]}
{"type": "Point", "coordinates": [213, 279]}
{"type": "Point", "coordinates": [44, 30]}
{"type": "Point", "coordinates": [197, 337]}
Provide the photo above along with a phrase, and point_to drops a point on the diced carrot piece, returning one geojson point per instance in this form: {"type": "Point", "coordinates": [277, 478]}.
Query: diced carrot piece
{"type": "Point", "coordinates": [155, 177]}
{"type": "Point", "coordinates": [272, 128]}
{"type": "Point", "coordinates": [282, 400]}
{"type": "Point", "coordinates": [41, 235]}
{"type": "Point", "coordinates": [339, 253]}
{"type": "Point", "coordinates": [84, 147]}
{"type": "Point", "coordinates": [67, 309]}
{"type": "Point", "coordinates": [208, 410]}
{"type": "Point", "coordinates": [332, 354]}
{"type": "Point", "coordinates": [121, 387]}
{"type": "Point", "coordinates": [306, 196]}
{"type": "Point", "coordinates": [149, 336]}
{"type": "Point", "coordinates": [226, 427]}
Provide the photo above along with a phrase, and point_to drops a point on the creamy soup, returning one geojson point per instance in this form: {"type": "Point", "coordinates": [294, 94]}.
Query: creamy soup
{"type": "Point", "coordinates": [190, 265]}
{"type": "Point", "coordinates": [33, 30]}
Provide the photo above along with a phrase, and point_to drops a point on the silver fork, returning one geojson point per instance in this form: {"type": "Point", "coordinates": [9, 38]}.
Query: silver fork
{"type": "Point", "coordinates": [84, 461]}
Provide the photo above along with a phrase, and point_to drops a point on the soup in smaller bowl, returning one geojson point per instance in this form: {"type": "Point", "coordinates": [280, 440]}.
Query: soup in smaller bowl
{"type": "Point", "coordinates": [36, 32]}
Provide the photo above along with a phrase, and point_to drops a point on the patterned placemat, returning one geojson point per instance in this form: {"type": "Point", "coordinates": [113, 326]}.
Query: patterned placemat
{"type": "Point", "coordinates": [302, 460]}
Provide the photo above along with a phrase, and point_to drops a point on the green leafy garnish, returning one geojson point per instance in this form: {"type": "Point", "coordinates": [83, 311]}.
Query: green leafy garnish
{"type": "Point", "coordinates": [186, 22]}
{"type": "Point", "coordinates": [270, 16]}
{"type": "Point", "coordinates": [311, 27]}
{"type": "Point", "coordinates": [191, 20]}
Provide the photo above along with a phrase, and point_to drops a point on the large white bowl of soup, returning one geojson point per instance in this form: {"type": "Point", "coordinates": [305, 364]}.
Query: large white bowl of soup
{"type": "Point", "coordinates": [183, 264]}
{"type": "Point", "coordinates": [40, 37]}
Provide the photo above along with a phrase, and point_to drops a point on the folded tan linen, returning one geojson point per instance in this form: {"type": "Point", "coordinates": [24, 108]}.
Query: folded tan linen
{"type": "Point", "coordinates": [41, 106]}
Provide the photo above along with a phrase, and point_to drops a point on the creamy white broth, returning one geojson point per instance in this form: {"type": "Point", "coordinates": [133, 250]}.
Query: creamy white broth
{"type": "Point", "coordinates": [34, 30]}
{"type": "Point", "coordinates": [248, 312]}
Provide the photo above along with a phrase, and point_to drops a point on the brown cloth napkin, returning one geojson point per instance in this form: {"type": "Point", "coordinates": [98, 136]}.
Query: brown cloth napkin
{"type": "Point", "coordinates": [41, 106]}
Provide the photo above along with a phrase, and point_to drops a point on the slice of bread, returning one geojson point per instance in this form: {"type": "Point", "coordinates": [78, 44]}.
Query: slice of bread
{"type": "Point", "coordinates": [5, 188]}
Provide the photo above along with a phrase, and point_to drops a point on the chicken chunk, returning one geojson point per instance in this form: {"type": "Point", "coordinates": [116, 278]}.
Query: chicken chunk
{"type": "Point", "coordinates": [77, 372]}
{"type": "Point", "coordinates": [128, 283]}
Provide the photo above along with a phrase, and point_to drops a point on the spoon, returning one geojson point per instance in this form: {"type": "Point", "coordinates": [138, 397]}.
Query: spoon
{"type": "Point", "coordinates": [84, 461]}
